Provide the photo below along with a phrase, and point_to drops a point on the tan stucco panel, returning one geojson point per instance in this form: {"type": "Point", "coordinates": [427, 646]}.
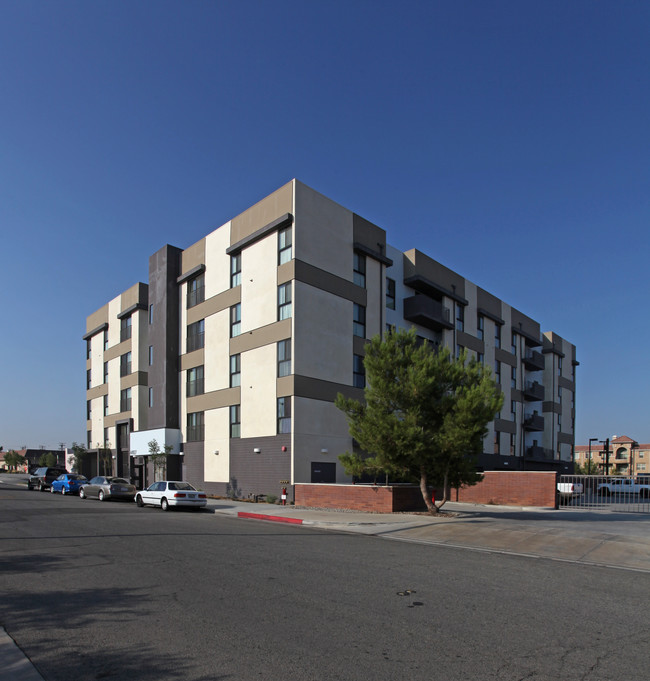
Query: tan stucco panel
{"type": "Point", "coordinates": [262, 213]}
{"type": "Point", "coordinates": [214, 400]}
{"type": "Point", "coordinates": [193, 256]}
{"type": "Point", "coordinates": [217, 303]}
{"type": "Point", "coordinates": [97, 318]}
{"type": "Point", "coordinates": [193, 359]}
{"type": "Point", "coordinates": [259, 337]}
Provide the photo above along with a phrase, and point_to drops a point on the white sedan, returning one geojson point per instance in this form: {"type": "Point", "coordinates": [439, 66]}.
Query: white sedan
{"type": "Point", "coordinates": [170, 493]}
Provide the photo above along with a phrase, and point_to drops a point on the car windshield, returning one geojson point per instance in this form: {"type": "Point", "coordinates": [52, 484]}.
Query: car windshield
{"type": "Point", "coordinates": [181, 485]}
{"type": "Point", "coordinates": [76, 477]}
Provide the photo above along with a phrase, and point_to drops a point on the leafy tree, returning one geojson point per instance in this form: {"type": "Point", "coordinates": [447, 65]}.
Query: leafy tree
{"type": "Point", "coordinates": [159, 459]}
{"type": "Point", "coordinates": [47, 459]}
{"type": "Point", "coordinates": [105, 458]}
{"type": "Point", "coordinates": [425, 414]}
{"type": "Point", "coordinates": [14, 460]}
{"type": "Point", "coordinates": [79, 453]}
{"type": "Point", "coordinates": [587, 468]}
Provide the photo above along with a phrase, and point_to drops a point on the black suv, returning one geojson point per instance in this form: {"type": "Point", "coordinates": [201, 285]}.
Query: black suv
{"type": "Point", "coordinates": [43, 477]}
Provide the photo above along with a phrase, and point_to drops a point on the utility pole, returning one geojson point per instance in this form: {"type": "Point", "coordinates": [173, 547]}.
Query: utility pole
{"type": "Point", "coordinates": [606, 465]}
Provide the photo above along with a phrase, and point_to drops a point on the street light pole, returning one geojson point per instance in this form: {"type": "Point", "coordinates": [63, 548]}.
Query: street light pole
{"type": "Point", "coordinates": [591, 439]}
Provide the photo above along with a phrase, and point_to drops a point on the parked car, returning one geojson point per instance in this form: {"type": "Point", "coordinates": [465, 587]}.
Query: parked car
{"type": "Point", "coordinates": [569, 490]}
{"type": "Point", "coordinates": [68, 483]}
{"type": "Point", "coordinates": [43, 477]}
{"type": "Point", "coordinates": [106, 487]}
{"type": "Point", "coordinates": [625, 486]}
{"type": "Point", "coordinates": [171, 493]}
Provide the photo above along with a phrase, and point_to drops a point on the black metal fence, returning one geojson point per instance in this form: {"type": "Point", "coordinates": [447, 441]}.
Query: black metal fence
{"type": "Point", "coordinates": [600, 492]}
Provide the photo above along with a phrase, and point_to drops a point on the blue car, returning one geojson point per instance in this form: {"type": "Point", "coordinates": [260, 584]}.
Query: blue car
{"type": "Point", "coordinates": [68, 483]}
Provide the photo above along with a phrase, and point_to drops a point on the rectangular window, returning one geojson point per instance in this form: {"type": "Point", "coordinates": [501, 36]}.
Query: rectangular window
{"type": "Point", "coordinates": [513, 410]}
{"type": "Point", "coordinates": [125, 328]}
{"type": "Point", "coordinates": [89, 437]}
{"type": "Point", "coordinates": [88, 379]}
{"type": "Point", "coordinates": [151, 397]}
{"type": "Point", "coordinates": [497, 336]}
{"type": "Point", "coordinates": [195, 381]}
{"type": "Point", "coordinates": [390, 293]}
{"type": "Point", "coordinates": [460, 317]}
{"type": "Point", "coordinates": [151, 314]}
{"type": "Point", "coordinates": [235, 320]}
{"type": "Point", "coordinates": [106, 440]}
{"type": "Point", "coordinates": [125, 399]}
{"type": "Point", "coordinates": [284, 245]}
{"type": "Point", "coordinates": [358, 372]}
{"type": "Point", "coordinates": [459, 350]}
{"type": "Point", "coordinates": [284, 358]}
{"type": "Point", "coordinates": [196, 290]}
{"type": "Point", "coordinates": [513, 347]}
{"type": "Point", "coordinates": [125, 364]}
{"type": "Point", "coordinates": [513, 449]}
{"type": "Point", "coordinates": [235, 371]}
{"type": "Point", "coordinates": [195, 335]}
{"type": "Point", "coordinates": [559, 394]}
{"type": "Point", "coordinates": [513, 377]}
{"type": "Point", "coordinates": [151, 355]}
{"type": "Point", "coordinates": [105, 339]}
{"type": "Point", "coordinates": [480, 327]}
{"type": "Point", "coordinates": [497, 442]}
{"type": "Point", "coordinates": [360, 270]}
{"type": "Point", "coordinates": [559, 366]}
{"type": "Point", "coordinates": [359, 321]}
{"type": "Point", "coordinates": [480, 357]}
{"type": "Point", "coordinates": [284, 415]}
{"type": "Point", "coordinates": [105, 372]}
{"type": "Point", "coordinates": [284, 301]}
{"type": "Point", "coordinates": [88, 349]}
{"type": "Point", "coordinates": [195, 427]}
{"type": "Point", "coordinates": [89, 411]}
{"type": "Point", "coordinates": [105, 405]}
{"type": "Point", "coordinates": [497, 371]}
{"type": "Point", "coordinates": [235, 420]}
{"type": "Point", "coordinates": [235, 270]}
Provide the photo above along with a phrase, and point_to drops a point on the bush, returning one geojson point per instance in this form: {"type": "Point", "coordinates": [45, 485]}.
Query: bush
{"type": "Point", "coordinates": [271, 498]}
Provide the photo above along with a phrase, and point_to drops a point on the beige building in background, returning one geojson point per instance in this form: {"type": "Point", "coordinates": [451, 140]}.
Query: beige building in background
{"type": "Point", "coordinates": [233, 353]}
{"type": "Point", "coordinates": [626, 456]}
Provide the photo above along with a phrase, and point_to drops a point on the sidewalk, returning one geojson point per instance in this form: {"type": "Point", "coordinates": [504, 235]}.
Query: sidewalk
{"type": "Point", "coordinates": [605, 538]}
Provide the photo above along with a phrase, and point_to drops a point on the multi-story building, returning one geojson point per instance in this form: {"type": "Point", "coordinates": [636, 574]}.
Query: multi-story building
{"type": "Point", "coordinates": [626, 456]}
{"type": "Point", "coordinates": [234, 352]}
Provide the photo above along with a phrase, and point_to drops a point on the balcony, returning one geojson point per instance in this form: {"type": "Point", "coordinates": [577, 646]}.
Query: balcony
{"type": "Point", "coordinates": [534, 361]}
{"type": "Point", "coordinates": [533, 422]}
{"type": "Point", "coordinates": [536, 453]}
{"type": "Point", "coordinates": [533, 391]}
{"type": "Point", "coordinates": [427, 312]}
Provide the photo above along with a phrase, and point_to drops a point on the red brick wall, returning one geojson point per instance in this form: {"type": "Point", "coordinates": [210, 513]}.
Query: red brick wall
{"type": "Point", "coordinates": [511, 488]}
{"type": "Point", "coordinates": [359, 497]}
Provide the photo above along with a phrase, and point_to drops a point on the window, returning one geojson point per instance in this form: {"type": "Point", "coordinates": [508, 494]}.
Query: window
{"type": "Point", "coordinates": [284, 358]}
{"type": "Point", "coordinates": [390, 328]}
{"type": "Point", "coordinates": [105, 339]}
{"type": "Point", "coordinates": [480, 327]}
{"type": "Point", "coordinates": [358, 372]}
{"type": "Point", "coordinates": [480, 357]}
{"type": "Point", "coordinates": [497, 336]}
{"type": "Point", "coordinates": [89, 410]}
{"type": "Point", "coordinates": [125, 328]}
{"type": "Point", "coordinates": [105, 405]}
{"type": "Point", "coordinates": [359, 324]}
{"type": "Point", "coordinates": [151, 314]}
{"type": "Point", "coordinates": [151, 397]}
{"type": "Point", "coordinates": [497, 371]}
{"type": "Point", "coordinates": [88, 349]}
{"type": "Point", "coordinates": [559, 421]}
{"type": "Point", "coordinates": [196, 290]}
{"type": "Point", "coordinates": [235, 420]}
{"type": "Point", "coordinates": [513, 377]}
{"type": "Point", "coordinates": [513, 410]}
{"type": "Point", "coordinates": [390, 293]}
{"type": "Point", "coordinates": [125, 399]}
{"type": "Point", "coordinates": [497, 442]}
{"type": "Point", "coordinates": [559, 366]}
{"type": "Point", "coordinates": [284, 301]}
{"type": "Point", "coordinates": [235, 320]}
{"type": "Point", "coordinates": [460, 317]}
{"type": "Point", "coordinates": [235, 371]}
{"type": "Point", "coordinates": [513, 347]}
{"type": "Point", "coordinates": [459, 350]}
{"type": "Point", "coordinates": [559, 394]}
{"type": "Point", "coordinates": [125, 364]}
{"type": "Point", "coordinates": [513, 449]}
{"type": "Point", "coordinates": [359, 270]}
{"type": "Point", "coordinates": [195, 335]}
{"type": "Point", "coordinates": [105, 372]}
{"type": "Point", "coordinates": [284, 415]}
{"type": "Point", "coordinates": [89, 438]}
{"type": "Point", "coordinates": [151, 355]}
{"type": "Point", "coordinates": [195, 427]}
{"type": "Point", "coordinates": [195, 381]}
{"type": "Point", "coordinates": [88, 379]}
{"type": "Point", "coordinates": [284, 245]}
{"type": "Point", "coordinates": [106, 440]}
{"type": "Point", "coordinates": [235, 270]}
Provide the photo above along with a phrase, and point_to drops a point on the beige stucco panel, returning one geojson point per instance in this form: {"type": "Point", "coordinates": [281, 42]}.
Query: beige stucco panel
{"type": "Point", "coordinates": [318, 425]}
{"type": "Point", "coordinates": [259, 290]}
{"type": "Point", "coordinates": [217, 466]}
{"type": "Point", "coordinates": [217, 263]}
{"type": "Point", "coordinates": [263, 212]}
{"type": "Point", "coordinates": [323, 232]}
{"type": "Point", "coordinates": [217, 359]}
{"type": "Point", "coordinates": [114, 308]}
{"type": "Point", "coordinates": [322, 345]}
{"type": "Point", "coordinates": [258, 392]}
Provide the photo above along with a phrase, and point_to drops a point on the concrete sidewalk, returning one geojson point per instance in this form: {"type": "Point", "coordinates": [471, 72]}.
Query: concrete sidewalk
{"type": "Point", "coordinates": [605, 538]}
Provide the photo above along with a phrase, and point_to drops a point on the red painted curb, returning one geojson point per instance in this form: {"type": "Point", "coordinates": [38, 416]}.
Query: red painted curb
{"type": "Point", "coordinates": [275, 518]}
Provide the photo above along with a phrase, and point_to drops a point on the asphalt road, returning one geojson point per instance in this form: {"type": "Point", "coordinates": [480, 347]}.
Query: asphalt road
{"type": "Point", "coordinates": [94, 590]}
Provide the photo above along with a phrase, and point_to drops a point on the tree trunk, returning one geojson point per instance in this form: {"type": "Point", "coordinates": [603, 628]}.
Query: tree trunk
{"type": "Point", "coordinates": [431, 507]}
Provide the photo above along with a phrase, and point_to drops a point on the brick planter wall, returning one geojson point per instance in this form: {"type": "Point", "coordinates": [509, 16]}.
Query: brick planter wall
{"type": "Point", "coordinates": [375, 499]}
{"type": "Point", "coordinates": [511, 488]}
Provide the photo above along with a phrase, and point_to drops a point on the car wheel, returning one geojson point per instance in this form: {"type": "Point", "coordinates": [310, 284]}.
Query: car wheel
{"type": "Point", "coordinates": [164, 504]}
{"type": "Point", "coordinates": [101, 496]}
{"type": "Point", "coordinates": [52, 489]}
{"type": "Point", "coordinates": [41, 487]}
{"type": "Point", "coordinates": [139, 502]}
{"type": "Point", "coordinates": [63, 491]}
{"type": "Point", "coordinates": [82, 494]}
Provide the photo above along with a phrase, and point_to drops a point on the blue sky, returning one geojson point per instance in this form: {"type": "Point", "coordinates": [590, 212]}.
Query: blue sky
{"type": "Point", "coordinates": [508, 140]}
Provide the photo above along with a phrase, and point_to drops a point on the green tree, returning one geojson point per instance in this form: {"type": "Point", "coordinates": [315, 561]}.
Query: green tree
{"type": "Point", "coordinates": [105, 458]}
{"type": "Point", "coordinates": [587, 468]}
{"type": "Point", "coordinates": [13, 460]}
{"type": "Point", "coordinates": [159, 459]}
{"type": "Point", "coordinates": [47, 459]}
{"type": "Point", "coordinates": [425, 414]}
{"type": "Point", "coordinates": [79, 453]}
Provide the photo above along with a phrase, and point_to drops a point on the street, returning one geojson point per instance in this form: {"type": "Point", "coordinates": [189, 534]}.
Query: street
{"type": "Point", "coordinates": [96, 590]}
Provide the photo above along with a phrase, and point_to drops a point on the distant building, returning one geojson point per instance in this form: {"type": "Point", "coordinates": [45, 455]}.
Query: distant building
{"type": "Point", "coordinates": [233, 353]}
{"type": "Point", "coordinates": [33, 456]}
{"type": "Point", "coordinates": [626, 456]}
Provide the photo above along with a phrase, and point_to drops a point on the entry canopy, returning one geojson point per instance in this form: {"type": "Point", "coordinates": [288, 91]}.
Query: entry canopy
{"type": "Point", "coordinates": [140, 440]}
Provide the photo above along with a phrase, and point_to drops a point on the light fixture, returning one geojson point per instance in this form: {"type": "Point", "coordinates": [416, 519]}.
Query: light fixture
{"type": "Point", "coordinates": [216, 452]}
{"type": "Point", "coordinates": [257, 450]}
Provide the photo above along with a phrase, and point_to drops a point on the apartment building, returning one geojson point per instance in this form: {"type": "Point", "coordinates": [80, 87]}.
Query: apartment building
{"type": "Point", "coordinates": [626, 456]}
{"type": "Point", "coordinates": [233, 353]}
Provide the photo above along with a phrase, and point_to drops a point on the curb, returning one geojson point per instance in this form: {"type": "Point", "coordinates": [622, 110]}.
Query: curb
{"type": "Point", "coordinates": [272, 518]}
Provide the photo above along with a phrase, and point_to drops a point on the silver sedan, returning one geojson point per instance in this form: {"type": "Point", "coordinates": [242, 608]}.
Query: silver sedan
{"type": "Point", "coordinates": [106, 487]}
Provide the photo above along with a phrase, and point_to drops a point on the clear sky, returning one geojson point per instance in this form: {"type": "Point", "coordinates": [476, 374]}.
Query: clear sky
{"type": "Point", "coordinates": [507, 139]}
